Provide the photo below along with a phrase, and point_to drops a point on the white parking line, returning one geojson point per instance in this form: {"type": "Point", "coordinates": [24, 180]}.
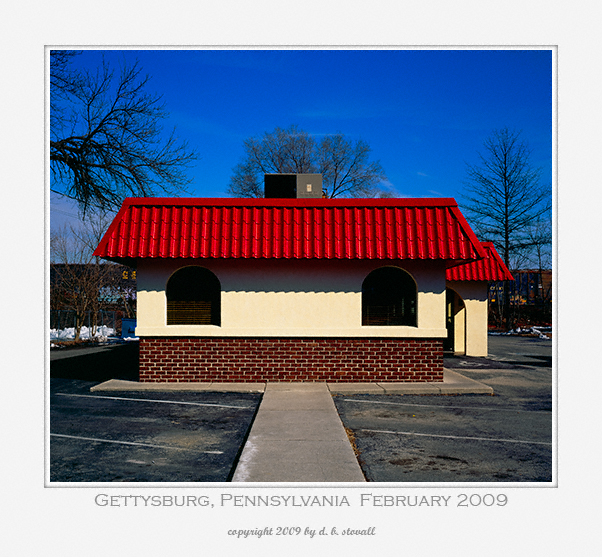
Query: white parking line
{"type": "Point", "coordinates": [443, 407]}
{"type": "Point", "coordinates": [154, 400]}
{"type": "Point", "coordinates": [129, 443]}
{"type": "Point", "coordinates": [456, 437]}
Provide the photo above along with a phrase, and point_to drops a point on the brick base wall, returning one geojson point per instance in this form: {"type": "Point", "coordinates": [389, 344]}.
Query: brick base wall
{"type": "Point", "coordinates": [248, 360]}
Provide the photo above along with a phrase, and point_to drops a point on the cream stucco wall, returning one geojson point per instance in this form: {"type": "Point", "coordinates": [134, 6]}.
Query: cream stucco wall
{"type": "Point", "coordinates": [290, 298]}
{"type": "Point", "coordinates": [472, 321]}
{"type": "Point", "coordinates": [460, 330]}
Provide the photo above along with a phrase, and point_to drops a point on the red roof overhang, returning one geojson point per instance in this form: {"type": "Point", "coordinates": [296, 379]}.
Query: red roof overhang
{"type": "Point", "coordinates": [492, 268]}
{"type": "Point", "coordinates": [290, 229]}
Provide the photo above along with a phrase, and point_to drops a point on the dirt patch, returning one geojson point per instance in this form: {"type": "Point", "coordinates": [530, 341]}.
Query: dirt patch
{"type": "Point", "coordinates": [351, 437]}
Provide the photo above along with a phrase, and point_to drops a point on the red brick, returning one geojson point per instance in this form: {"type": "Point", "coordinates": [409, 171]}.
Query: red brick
{"type": "Point", "coordinates": [290, 359]}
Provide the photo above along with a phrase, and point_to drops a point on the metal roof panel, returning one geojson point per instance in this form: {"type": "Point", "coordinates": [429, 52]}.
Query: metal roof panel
{"type": "Point", "coordinates": [491, 268]}
{"type": "Point", "coordinates": [299, 228]}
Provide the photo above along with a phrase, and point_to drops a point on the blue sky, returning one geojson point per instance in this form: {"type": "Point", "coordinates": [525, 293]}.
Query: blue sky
{"type": "Point", "coordinates": [424, 113]}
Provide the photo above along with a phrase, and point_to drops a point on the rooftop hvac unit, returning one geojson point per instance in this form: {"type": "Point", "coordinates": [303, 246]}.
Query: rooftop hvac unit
{"type": "Point", "coordinates": [293, 186]}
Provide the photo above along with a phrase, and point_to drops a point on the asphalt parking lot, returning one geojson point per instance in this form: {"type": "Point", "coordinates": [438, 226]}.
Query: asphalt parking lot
{"type": "Point", "coordinates": [197, 437]}
{"type": "Point", "coordinates": [467, 438]}
{"type": "Point", "coordinates": [139, 436]}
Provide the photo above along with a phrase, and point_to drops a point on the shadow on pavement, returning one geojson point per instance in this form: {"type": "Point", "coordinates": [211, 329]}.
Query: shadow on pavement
{"type": "Point", "coordinates": [110, 362]}
{"type": "Point", "coordinates": [459, 362]}
{"type": "Point", "coordinates": [451, 361]}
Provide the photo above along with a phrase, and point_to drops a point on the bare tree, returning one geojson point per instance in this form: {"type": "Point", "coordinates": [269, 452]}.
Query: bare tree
{"type": "Point", "coordinates": [106, 138]}
{"type": "Point", "coordinates": [80, 282]}
{"type": "Point", "coordinates": [539, 235]}
{"type": "Point", "coordinates": [504, 197]}
{"type": "Point", "coordinates": [64, 81]}
{"type": "Point", "coordinates": [344, 165]}
{"type": "Point", "coordinates": [75, 280]}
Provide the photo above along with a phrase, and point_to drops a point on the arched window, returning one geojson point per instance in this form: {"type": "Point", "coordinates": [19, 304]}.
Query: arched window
{"type": "Point", "coordinates": [193, 297]}
{"type": "Point", "coordinates": [389, 298]}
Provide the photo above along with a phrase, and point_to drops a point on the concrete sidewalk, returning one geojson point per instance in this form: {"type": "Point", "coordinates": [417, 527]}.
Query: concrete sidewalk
{"type": "Point", "coordinates": [453, 384]}
{"type": "Point", "coordinates": [297, 436]}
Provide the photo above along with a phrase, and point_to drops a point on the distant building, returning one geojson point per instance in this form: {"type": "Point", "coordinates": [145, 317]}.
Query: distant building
{"type": "Point", "coordinates": [530, 299]}
{"type": "Point", "coordinates": [110, 288]}
{"type": "Point", "coordinates": [530, 287]}
{"type": "Point", "coordinates": [89, 294]}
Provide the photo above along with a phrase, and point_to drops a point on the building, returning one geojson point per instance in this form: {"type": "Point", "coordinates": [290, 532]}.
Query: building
{"type": "Point", "coordinates": [295, 289]}
{"type": "Point", "coordinates": [531, 287]}
{"type": "Point", "coordinates": [530, 299]}
{"type": "Point", "coordinates": [90, 294]}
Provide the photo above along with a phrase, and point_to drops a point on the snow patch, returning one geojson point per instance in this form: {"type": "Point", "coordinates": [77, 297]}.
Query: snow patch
{"type": "Point", "coordinates": [102, 333]}
{"type": "Point", "coordinates": [539, 332]}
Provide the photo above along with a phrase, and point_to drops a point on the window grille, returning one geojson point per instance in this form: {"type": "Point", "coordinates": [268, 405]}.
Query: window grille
{"type": "Point", "coordinates": [389, 298]}
{"type": "Point", "coordinates": [193, 297]}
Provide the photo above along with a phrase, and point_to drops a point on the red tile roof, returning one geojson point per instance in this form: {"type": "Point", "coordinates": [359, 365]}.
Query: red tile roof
{"type": "Point", "coordinates": [290, 228]}
{"type": "Point", "coordinates": [490, 268]}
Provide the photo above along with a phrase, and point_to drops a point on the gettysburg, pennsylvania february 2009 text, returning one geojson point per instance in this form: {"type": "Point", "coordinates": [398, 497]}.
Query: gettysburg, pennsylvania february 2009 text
{"type": "Point", "coordinates": [291, 501]}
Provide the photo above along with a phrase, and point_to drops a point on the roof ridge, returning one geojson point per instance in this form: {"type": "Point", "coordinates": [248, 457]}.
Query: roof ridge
{"type": "Point", "coordinates": [297, 202]}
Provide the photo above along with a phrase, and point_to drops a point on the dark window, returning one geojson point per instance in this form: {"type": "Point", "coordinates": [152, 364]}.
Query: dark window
{"type": "Point", "coordinates": [193, 297]}
{"type": "Point", "coordinates": [389, 298]}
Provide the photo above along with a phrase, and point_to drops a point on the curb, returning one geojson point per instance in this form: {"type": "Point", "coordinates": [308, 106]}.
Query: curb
{"type": "Point", "coordinates": [453, 384]}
